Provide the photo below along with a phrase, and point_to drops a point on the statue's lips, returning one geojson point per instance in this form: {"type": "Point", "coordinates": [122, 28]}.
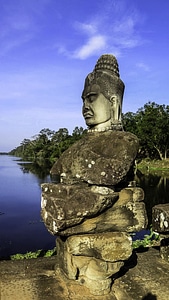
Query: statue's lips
{"type": "Point", "coordinates": [88, 115]}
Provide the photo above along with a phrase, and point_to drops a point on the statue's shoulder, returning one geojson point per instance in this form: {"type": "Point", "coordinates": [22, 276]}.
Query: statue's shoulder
{"type": "Point", "coordinates": [108, 140]}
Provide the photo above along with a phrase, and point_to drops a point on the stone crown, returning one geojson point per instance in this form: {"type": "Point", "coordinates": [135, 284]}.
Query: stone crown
{"type": "Point", "coordinates": [107, 63]}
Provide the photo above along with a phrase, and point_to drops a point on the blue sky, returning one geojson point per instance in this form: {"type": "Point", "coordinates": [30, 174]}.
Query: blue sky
{"type": "Point", "coordinates": [47, 47]}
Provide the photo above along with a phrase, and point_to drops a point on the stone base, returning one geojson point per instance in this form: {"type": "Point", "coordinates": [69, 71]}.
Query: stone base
{"type": "Point", "coordinates": [92, 259]}
{"type": "Point", "coordinates": [164, 249]}
{"type": "Point", "coordinates": [82, 290]}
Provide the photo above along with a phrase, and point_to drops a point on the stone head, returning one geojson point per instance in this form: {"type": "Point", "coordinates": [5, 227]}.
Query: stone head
{"type": "Point", "coordinates": [103, 95]}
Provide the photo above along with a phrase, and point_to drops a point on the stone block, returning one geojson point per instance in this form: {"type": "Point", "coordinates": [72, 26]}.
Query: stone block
{"type": "Point", "coordinates": [127, 214]}
{"type": "Point", "coordinates": [97, 287]}
{"type": "Point", "coordinates": [130, 194]}
{"type": "Point", "coordinates": [109, 246]}
{"type": "Point", "coordinates": [64, 206]}
{"type": "Point", "coordinates": [92, 272]}
{"type": "Point", "coordinates": [64, 260]}
{"type": "Point", "coordinates": [101, 159]}
{"type": "Point", "coordinates": [160, 218]}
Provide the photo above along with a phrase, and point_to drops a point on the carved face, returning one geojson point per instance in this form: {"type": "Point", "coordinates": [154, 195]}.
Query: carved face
{"type": "Point", "coordinates": [96, 108]}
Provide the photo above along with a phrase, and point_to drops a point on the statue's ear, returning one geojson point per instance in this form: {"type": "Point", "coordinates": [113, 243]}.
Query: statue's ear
{"type": "Point", "coordinates": [116, 108]}
{"type": "Point", "coordinates": [113, 100]}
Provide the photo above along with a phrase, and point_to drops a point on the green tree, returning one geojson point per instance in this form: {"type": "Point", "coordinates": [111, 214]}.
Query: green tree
{"type": "Point", "coordinates": [60, 135]}
{"type": "Point", "coordinates": [78, 131]}
{"type": "Point", "coordinates": [153, 128]}
{"type": "Point", "coordinates": [130, 122]}
{"type": "Point", "coordinates": [151, 125]}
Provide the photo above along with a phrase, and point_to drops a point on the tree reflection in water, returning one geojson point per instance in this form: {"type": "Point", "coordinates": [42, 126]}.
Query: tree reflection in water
{"type": "Point", "coordinates": [42, 171]}
{"type": "Point", "coordinates": [156, 189]}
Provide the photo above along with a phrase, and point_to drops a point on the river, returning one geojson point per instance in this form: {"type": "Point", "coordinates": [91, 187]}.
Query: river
{"type": "Point", "coordinates": [21, 227]}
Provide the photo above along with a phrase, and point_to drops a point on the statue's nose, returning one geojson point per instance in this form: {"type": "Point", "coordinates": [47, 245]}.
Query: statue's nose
{"type": "Point", "coordinates": [86, 104]}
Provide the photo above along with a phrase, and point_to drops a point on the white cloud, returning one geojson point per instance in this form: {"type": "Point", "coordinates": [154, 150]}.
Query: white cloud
{"type": "Point", "coordinates": [93, 45]}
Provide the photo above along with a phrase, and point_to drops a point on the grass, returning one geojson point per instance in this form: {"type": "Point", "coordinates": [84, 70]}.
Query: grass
{"type": "Point", "coordinates": [150, 240]}
{"type": "Point", "coordinates": [154, 166]}
{"type": "Point", "coordinates": [38, 253]}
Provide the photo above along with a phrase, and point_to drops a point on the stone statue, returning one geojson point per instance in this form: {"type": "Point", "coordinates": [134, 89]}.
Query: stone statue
{"type": "Point", "coordinates": [103, 95]}
{"type": "Point", "coordinates": [91, 207]}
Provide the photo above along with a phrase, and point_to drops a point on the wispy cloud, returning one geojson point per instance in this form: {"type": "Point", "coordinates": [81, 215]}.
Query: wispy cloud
{"type": "Point", "coordinates": [143, 66]}
{"type": "Point", "coordinates": [93, 46]}
{"type": "Point", "coordinates": [114, 30]}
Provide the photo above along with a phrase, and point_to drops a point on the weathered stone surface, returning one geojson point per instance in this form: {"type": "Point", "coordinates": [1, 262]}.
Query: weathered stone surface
{"type": "Point", "coordinates": [164, 249]}
{"type": "Point", "coordinates": [160, 218]}
{"type": "Point", "coordinates": [109, 246]}
{"type": "Point", "coordinates": [95, 269]}
{"type": "Point", "coordinates": [93, 259]}
{"type": "Point", "coordinates": [98, 158]}
{"type": "Point", "coordinates": [88, 271]}
{"type": "Point", "coordinates": [64, 206]}
{"type": "Point", "coordinates": [103, 95]}
{"type": "Point", "coordinates": [127, 214]}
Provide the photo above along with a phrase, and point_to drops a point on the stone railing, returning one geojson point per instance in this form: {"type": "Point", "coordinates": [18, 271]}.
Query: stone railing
{"type": "Point", "coordinates": [160, 224]}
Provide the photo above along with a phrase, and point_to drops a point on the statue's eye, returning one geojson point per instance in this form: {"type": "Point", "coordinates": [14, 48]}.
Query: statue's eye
{"type": "Point", "coordinates": [92, 97]}
{"type": "Point", "coordinates": [89, 98]}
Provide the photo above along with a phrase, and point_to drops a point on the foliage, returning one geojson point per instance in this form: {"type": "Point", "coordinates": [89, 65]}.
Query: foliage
{"type": "Point", "coordinates": [151, 239]}
{"type": "Point", "coordinates": [29, 255]}
{"type": "Point", "coordinates": [151, 125]}
{"type": "Point", "coordinates": [48, 145]}
{"type": "Point", "coordinates": [154, 166]}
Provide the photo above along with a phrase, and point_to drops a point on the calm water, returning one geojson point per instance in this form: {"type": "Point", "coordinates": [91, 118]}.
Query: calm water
{"type": "Point", "coordinates": [156, 190]}
{"type": "Point", "coordinates": [21, 228]}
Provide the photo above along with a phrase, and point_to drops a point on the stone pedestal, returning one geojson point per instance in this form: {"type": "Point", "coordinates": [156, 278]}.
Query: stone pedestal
{"type": "Point", "coordinates": [92, 259]}
{"type": "Point", "coordinates": [93, 223]}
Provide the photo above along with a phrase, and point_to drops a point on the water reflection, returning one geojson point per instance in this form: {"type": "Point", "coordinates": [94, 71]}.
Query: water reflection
{"type": "Point", "coordinates": [156, 189]}
{"type": "Point", "coordinates": [21, 227]}
{"type": "Point", "coordinates": [39, 169]}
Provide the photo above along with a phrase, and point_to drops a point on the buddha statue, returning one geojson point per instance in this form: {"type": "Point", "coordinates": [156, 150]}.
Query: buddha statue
{"type": "Point", "coordinates": [89, 205]}
{"type": "Point", "coordinates": [103, 95]}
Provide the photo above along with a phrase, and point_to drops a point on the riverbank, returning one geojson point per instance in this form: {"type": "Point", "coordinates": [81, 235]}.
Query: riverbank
{"type": "Point", "coordinates": [156, 167]}
{"type": "Point", "coordinates": [144, 277]}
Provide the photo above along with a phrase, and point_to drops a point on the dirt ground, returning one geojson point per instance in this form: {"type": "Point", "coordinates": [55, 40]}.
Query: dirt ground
{"type": "Point", "coordinates": [144, 277]}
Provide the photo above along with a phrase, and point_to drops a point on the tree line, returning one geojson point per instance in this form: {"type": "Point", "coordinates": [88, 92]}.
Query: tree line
{"type": "Point", "coordinates": [48, 145]}
{"type": "Point", "coordinates": [150, 123]}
